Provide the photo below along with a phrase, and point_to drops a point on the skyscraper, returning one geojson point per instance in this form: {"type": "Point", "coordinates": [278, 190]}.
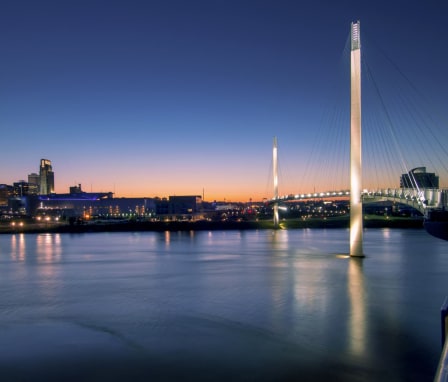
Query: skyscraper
{"type": "Point", "coordinates": [33, 182]}
{"type": "Point", "coordinates": [46, 176]}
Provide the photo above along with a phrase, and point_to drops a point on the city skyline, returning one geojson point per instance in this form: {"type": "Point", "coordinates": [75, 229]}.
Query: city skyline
{"type": "Point", "coordinates": [184, 98]}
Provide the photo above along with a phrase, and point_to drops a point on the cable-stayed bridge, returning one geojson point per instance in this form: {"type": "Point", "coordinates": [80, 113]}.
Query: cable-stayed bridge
{"type": "Point", "coordinates": [422, 199]}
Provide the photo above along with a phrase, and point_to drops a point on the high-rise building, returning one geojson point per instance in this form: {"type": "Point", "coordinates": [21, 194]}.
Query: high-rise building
{"type": "Point", "coordinates": [33, 183]}
{"type": "Point", "coordinates": [21, 188]}
{"type": "Point", "coordinates": [418, 177]}
{"type": "Point", "coordinates": [46, 177]}
{"type": "Point", "coordinates": [6, 192]}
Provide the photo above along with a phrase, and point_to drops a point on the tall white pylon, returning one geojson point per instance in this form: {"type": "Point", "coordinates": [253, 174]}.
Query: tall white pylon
{"type": "Point", "coordinates": [356, 224]}
{"type": "Point", "coordinates": [275, 169]}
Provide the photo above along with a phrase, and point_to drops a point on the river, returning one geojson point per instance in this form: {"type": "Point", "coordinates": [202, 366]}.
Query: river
{"type": "Point", "coordinates": [256, 305]}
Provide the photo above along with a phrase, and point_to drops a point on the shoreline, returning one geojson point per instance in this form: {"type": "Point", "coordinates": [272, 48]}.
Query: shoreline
{"type": "Point", "coordinates": [135, 226]}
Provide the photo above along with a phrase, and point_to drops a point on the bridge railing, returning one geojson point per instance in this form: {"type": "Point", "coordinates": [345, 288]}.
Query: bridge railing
{"type": "Point", "coordinates": [313, 195]}
{"type": "Point", "coordinates": [419, 199]}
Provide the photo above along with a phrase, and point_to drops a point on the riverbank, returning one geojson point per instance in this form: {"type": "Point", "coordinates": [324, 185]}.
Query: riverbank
{"type": "Point", "coordinates": [370, 221]}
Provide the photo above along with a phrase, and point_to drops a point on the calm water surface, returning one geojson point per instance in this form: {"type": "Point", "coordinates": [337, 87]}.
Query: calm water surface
{"type": "Point", "coordinates": [228, 305]}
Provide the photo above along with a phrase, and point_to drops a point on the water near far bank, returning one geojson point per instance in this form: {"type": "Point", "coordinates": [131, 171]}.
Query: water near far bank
{"type": "Point", "coordinates": [115, 225]}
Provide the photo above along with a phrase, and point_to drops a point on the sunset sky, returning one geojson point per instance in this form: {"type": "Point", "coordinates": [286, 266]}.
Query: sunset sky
{"type": "Point", "coordinates": [176, 97]}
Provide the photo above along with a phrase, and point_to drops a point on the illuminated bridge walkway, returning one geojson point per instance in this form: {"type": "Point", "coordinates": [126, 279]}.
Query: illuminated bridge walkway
{"type": "Point", "coordinates": [419, 199]}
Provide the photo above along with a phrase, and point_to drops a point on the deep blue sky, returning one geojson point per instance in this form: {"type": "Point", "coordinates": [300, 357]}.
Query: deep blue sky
{"type": "Point", "coordinates": [156, 98]}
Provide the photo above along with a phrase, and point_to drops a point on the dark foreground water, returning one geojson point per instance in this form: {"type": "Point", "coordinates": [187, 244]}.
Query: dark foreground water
{"type": "Point", "coordinates": [228, 305]}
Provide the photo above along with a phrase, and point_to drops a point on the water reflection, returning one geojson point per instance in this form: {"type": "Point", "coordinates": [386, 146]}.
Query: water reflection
{"type": "Point", "coordinates": [386, 233]}
{"type": "Point", "coordinates": [358, 317]}
{"type": "Point", "coordinates": [48, 247]}
{"type": "Point", "coordinates": [286, 305]}
{"type": "Point", "coordinates": [167, 238]}
{"type": "Point", "coordinates": [279, 241]}
{"type": "Point", "coordinates": [18, 247]}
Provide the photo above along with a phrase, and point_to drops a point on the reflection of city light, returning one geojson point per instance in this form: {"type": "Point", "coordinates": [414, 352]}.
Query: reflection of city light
{"type": "Point", "coordinates": [18, 247]}
{"type": "Point", "coordinates": [167, 237]}
{"type": "Point", "coordinates": [48, 247]}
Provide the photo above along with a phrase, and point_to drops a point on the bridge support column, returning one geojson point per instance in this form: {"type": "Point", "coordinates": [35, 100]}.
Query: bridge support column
{"type": "Point", "coordinates": [356, 222]}
{"type": "Point", "coordinates": [275, 169]}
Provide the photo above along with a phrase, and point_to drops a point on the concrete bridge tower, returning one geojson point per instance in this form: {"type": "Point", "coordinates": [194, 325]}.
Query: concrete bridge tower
{"type": "Point", "coordinates": [356, 223]}
{"type": "Point", "coordinates": [275, 168]}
